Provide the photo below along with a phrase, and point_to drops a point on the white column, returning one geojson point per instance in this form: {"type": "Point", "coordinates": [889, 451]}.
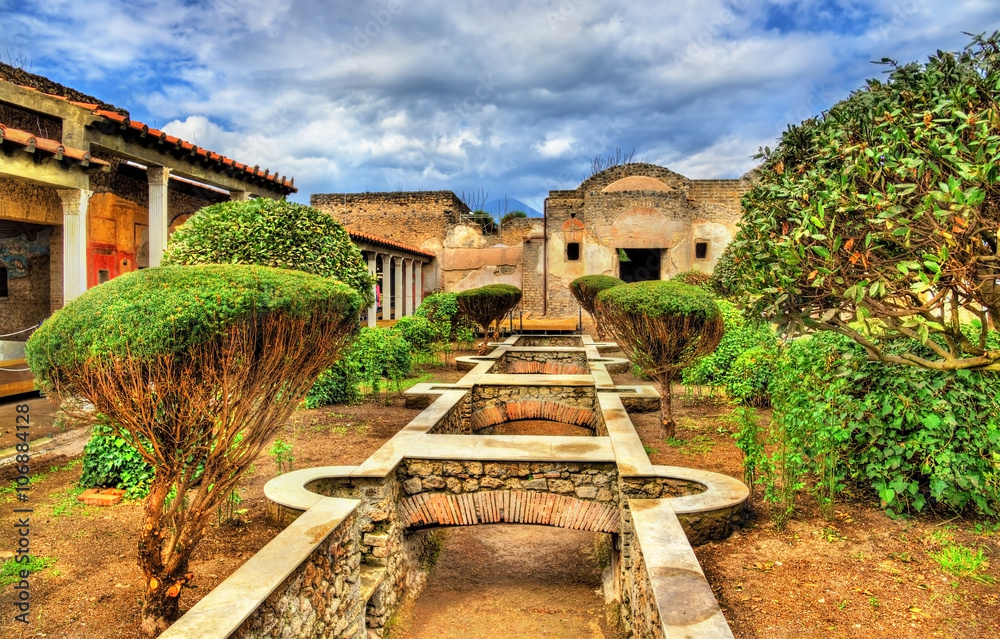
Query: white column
{"type": "Point", "coordinates": [74, 275]}
{"type": "Point", "coordinates": [418, 292]}
{"type": "Point", "coordinates": [386, 291]}
{"type": "Point", "coordinates": [373, 309]}
{"type": "Point", "coordinates": [398, 292]}
{"type": "Point", "coordinates": [159, 219]}
{"type": "Point", "coordinates": [408, 284]}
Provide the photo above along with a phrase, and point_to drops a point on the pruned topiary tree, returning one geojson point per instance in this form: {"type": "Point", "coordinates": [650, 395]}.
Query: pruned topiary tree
{"type": "Point", "coordinates": [274, 233]}
{"type": "Point", "coordinates": [663, 326]}
{"type": "Point", "coordinates": [585, 290]}
{"type": "Point", "coordinates": [488, 304]}
{"type": "Point", "coordinates": [197, 367]}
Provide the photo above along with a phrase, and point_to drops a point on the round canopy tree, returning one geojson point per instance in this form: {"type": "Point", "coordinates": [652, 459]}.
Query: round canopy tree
{"type": "Point", "coordinates": [880, 219]}
{"type": "Point", "coordinates": [488, 304]}
{"type": "Point", "coordinates": [197, 367]}
{"type": "Point", "coordinates": [585, 290]}
{"type": "Point", "coordinates": [274, 233]}
{"type": "Point", "coordinates": [663, 326]}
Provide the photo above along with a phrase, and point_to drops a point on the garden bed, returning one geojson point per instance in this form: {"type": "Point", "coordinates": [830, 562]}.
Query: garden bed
{"type": "Point", "coordinates": [861, 574]}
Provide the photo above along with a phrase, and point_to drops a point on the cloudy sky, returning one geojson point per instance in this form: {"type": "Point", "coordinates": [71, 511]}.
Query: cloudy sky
{"type": "Point", "coordinates": [508, 97]}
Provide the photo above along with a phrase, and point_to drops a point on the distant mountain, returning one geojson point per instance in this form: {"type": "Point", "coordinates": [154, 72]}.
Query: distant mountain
{"type": "Point", "coordinates": [501, 206]}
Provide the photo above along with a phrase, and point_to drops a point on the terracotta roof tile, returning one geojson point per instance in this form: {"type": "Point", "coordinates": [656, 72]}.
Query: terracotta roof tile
{"type": "Point", "coordinates": [53, 147]}
{"type": "Point", "coordinates": [374, 239]}
{"type": "Point", "coordinates": [127, 124]}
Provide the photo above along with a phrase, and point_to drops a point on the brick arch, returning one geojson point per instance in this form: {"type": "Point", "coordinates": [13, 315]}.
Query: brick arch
{"type": "Point", "coordinates": [508, 506]}
{"type": "Point", "coordinates": [533, 409]}
{"type": "Point", "coordinates": [549, 367]}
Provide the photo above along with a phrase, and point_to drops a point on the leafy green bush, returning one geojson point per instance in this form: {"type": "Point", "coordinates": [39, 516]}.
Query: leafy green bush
{"type": "Point", "coordinates": [146, 314]}
{"type": "Point", "coordinates": [726, 276]}
{"type": "Point", "coordinates": [380, 354]}
{"type": "Point", "coordinates": [741, 335]}
{"type": "Point", "coordinates": [416, 330]}
{"type": "Point", "coordinates": [276, 233]}
{"type": "Point", "coordinates": [488, 304]}
{"type": "Point", "coordinates": [485, 221]}
{"type": "Point", "coordinates": [915, 437]}
{"type": "Point", "coordinates": [749, 377]}
{"type": "Point", "coordinates": [663, 326]}
{"type": "Point", "coordinates": [111, 461]}
{"type": "Point", "coordinates": [441, 310]}
{"type": "Point", "coordinates": [336, 385]}
{"type": "Point", "coordinates": [585, 290]}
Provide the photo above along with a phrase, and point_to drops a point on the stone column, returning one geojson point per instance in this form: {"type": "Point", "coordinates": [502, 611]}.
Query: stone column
{"type": "Point", "coordinates": [239, 196]}
{"type": "Point", "coordinates": [386, 291]}
{"type": "Point", "coordinates": [398, 292]}
{"type": "Point", "coordinates": [418, 285]}
{"type": "Point", "coordinates": [408, 290]}
{"type": "Point", "coordinates": [159, 219]}
{"type": "Point", "coordinates": [74, 236]}
{"type": "Point", "coordinates": [373, 309]}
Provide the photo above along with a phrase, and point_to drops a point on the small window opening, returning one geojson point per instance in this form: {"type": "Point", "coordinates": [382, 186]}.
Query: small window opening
{"type": "Point", "coordinates": [103, 275]}
{"type": "Point", "coordinates": [3, 280]}
{"type": "Point", "coordinates": [701, 250]}
{"type": "Point", "coordinates": [573, 251]}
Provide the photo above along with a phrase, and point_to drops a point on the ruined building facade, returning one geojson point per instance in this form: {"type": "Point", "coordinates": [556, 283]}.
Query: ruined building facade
{"type": "Point", "coordinates": [634, 221]}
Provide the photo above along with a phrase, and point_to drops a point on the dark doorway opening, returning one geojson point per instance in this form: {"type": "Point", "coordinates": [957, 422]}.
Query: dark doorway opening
{"type": "Point", "coordinates": [641, 264]}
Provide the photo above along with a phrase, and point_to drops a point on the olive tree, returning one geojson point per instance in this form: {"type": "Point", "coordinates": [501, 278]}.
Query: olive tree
{"type": "Point", "coordinates": [585, 290]}
{"type": "Point", "coordinates": [879, 220]}
{"type": "Point", "coordinates": [197, 367]}
{"type": "Point", "coordinates": [663, 326]}
{"type": "Point", "coordinates": [488, 304]}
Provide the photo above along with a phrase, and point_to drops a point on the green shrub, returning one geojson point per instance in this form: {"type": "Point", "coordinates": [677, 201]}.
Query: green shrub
{"type": "Point", "coordinates": [748, 379]}
{"type": "Point", "coordinates": [585, 290]}
{"type": "Point", "coordinates": [111, 461]}
{"type": "Point", "coordinates": [741, 335]}
{"type": "Point", "coordinates": [380, 353]}
{"type": "Point", "coordinates": [485, 221]}
{"type": "Point", "coordinates": [441, 310]}
{"type": "Point", "coordinates": [336, 385]}
{"type": "Point", "coordinates": [915, 437]}
{"type": "Point", "coordinates": [277, 233]}
{"type": "Point", "coordinates": [146, 314]}
{"type": "Point", "coordinates": [488, 304]}
{"type": "Point", "coordinates": [418, 331]}
{"type": "Point", "coordinates": [663, 326]}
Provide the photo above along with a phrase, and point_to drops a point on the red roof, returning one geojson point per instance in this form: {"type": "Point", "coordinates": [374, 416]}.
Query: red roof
{"type": "Point", "coordinates": [374, 239]}
{"type": "Point", "coordinates": [127, 125]}
{"type": "Point", "coordinates": [33, 142]}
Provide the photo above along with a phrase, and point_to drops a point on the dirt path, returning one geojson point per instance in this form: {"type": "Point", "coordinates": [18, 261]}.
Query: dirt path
{"type": "Point", "coordinates": [511, 582]}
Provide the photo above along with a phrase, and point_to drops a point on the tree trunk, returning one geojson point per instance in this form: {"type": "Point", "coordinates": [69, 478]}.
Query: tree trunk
{"type": "Point", "coordinates": [158, 611]}
{"type": "Point", "coordinates": [161, 598]}
{"type": "Point", "coordinates": [668, 426]}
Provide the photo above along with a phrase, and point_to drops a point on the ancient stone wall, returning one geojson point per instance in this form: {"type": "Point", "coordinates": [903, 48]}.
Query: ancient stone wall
{"type": "Point", "coordinates": [419, 218]}
{"type": "Point", "coordinates": [24, 202]}
{"type": "Point", "coordinates": [639, 610]}
{"type": "Point", "coordinates": [546, 362]}
{"type": "Point", "coordinates": [36, 123]}
{"type": "Point", "coordinates": [320, 598]}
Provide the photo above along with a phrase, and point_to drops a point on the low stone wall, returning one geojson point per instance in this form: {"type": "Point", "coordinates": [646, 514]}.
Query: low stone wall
{"type": "Point", "coordinates": [548, 362]}
{"type": "Point", "coordinates": [320, 599]}
{"type": "Point", "coordinates": [572, 341]}
{"type": "Point", "coordinates": [638, 607]}
{"type": "Point", "coordinates": [597, 482]}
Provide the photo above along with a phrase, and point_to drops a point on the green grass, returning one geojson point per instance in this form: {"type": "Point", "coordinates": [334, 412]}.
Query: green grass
{"type": "Point", "coordinates": [66, 502]}
{"type": "Point", "coordinates": [10, 571]}
{"type": "Point", "coordinates": [697, 445]}
{"type": "Point", "coordinates": [962, 561]}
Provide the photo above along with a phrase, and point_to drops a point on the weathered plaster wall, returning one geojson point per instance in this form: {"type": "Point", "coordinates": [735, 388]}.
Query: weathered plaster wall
{"type": "Point", "coordinates": [24, 253]}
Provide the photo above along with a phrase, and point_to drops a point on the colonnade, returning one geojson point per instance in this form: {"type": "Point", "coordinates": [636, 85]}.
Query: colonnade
{"type": "Point", "coordinates": [398, 285]}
